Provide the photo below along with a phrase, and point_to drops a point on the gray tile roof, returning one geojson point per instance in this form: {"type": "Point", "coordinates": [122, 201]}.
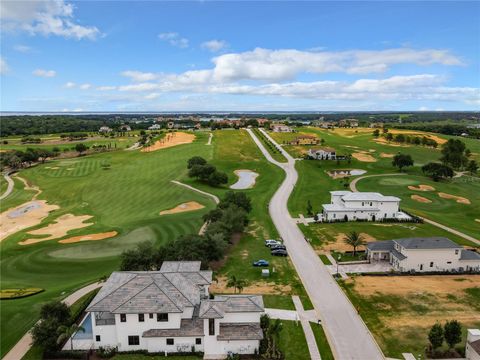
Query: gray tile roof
{"type": "Point", "coordinates": [230, 303]}
{"type": "Point", "coordinates": [180, 266]}
{"type": "Point", "coordinates": [151, 291]}
{"type": "Point", "coordinates": [240, 331]}
{"type": "Point", "coordinates": [386, 245]}
{"type": "Point", "coordinates": [398, 255]}
{"type": "Point", "coordinates": [427, 243]}
{"type": "Point", "coordinates": [211, 309]}
{"type": "Point", "coordinates": [188, 327]}
{"type": "Point", "coordinates": [475, 345]}
{"type": "Point", "coordinates": [469, 255]}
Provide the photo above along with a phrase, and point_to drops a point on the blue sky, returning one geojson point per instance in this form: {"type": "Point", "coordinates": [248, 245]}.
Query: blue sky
{"type": "Point", "coordinates": [186, 56]}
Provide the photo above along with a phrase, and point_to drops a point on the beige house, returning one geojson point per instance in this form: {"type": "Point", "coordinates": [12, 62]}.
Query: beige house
{"type": "Point", "coordinates": [280, 128]}
{"type": "Point", "coordinates": [305, 140]}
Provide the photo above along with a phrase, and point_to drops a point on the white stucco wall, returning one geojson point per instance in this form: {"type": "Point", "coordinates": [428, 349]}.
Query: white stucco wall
{"type": "Point", "coordinates": [439, 257]}
{"type": "Point", "coordinates": [181, 344]}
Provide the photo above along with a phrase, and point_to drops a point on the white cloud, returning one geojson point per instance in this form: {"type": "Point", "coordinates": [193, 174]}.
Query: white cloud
{"type": "Point", "coordinates": [22, 48]}
{"type": "Point", "coordinates": [85, 86]}
{"type": "Point", "coordinates": [44, 73]}
{"type": "Point", "coordinates": [174, 39]}
{"type": "Point", "coordinates": [45, 17]}
{"type": "Point", "coordinates": [152, 96]}
{"type": "Point", "coordinates": [3, 66]}
{"type": "Point", "coordinates": [69, 85]}
{"type": "Point", "coordinates": [214, 45]}
{"type": "Point", "coordinates": [106, 88]}
{"type": "Point", "coordinates": [139, 76]}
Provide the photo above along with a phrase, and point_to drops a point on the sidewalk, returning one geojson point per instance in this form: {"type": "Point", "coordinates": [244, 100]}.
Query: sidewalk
{"type": "Point", "coordinates": [311, 342]}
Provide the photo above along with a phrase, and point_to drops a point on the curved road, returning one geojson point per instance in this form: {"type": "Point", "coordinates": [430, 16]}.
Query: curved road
{"type": "Point", "coordinates": [9, 186]}
{"type": "Point", "coordinates": [346, 332]}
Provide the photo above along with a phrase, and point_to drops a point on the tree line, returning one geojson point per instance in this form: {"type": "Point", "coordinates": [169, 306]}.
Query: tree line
{"type": "Point", "coordinates": [201, 170]}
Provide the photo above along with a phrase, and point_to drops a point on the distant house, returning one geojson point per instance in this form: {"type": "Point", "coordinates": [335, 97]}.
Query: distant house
{"type": "Point", "coordinates": [125, 127]}
{"type": "Point", "coordinates": [170, 125]}
{"type": "Point", "coordinates": [430, 254]}
{"type": "Point", "coordinates": [371, 206]}
{"type": "Point", "coordinates": [280, 128]}
{"type": "Point", "coordinates": [305, 140]}
{"type": "Point", "coordinates": [170, 311]}
{"type": "Point", "coordinates": [376, 125]}
{"type": "Point", "coordinates": [155, 127]}
{"type": "Point", "coordinates": [352, 123]}
{"type": "Point", "coordinates": [323, 153]}
{"type": "Point", "coordinates": [104, 130]}
{"type": "Point", "coordinates": [262, 121]}
{"type": "Point", "coordinates": [323, 124]}
{"type": "Point", "coordinates": [472, 350]}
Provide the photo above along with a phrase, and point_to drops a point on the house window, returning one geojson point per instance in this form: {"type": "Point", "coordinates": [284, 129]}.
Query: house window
{"type": "Point", "coordinates": [133, 340]}
{"type": "Point", "coordinates": [363, 204]}
{"type": "Point", "coordinates": [141, 317]}
{"type": "Point", "coordinates": [123, 317]}
{"type": "Point", "coordinates": [456, 252]}
{"type": "Point", "coordinates": [150, 316]}
{"type": "Point", "coordinates": [170, 341]}
{"type": "Point", "coordinates": [198, 341]}
{"type": "Point", "coordinates": [97, 337]}
{"type": "Point", "coordinates": [162, 317]}
{"type": "Point", "coordinates": [211, 326]}
{"type": "Point", "coordinates": [421, 267]}
{"type": "Point", "coordinates": [449, 262]}
{"type": "Point", "coordinates": [431, 264]}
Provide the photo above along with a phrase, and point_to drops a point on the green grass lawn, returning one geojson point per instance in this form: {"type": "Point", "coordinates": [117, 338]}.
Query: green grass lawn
{"type": "Point", "coordinates": [292, 341]}
{"type": "Point", "coordinates": [278, 302]}
{"type": "Point", "coordinates": [276, 154]}
{"type": "Point", "coordinates": [322, 343]}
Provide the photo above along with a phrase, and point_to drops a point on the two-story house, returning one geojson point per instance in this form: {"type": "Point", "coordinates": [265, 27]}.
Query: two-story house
{"type": "Point", "coordinates": [170, 311]}
{"type": "Point", "coordinates": [430, 254]}
{"type": "Point", "coordinates": [348, 206]}
{"type": "Point", "coordinates": [305, 140]}
{"type": "Point", "coordinates": [323, 153]}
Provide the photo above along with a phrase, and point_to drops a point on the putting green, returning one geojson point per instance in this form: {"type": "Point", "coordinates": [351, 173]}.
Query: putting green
{"type": "Point", "coordinates": [397, 181]}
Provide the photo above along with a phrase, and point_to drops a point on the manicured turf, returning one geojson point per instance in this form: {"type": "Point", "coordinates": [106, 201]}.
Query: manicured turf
{"type": "Point", "coordinates": [322, 343]}
{"type": "Point", "coordinates": [278, 302]}
{"type": "Point", "coordinates": [292, 341]}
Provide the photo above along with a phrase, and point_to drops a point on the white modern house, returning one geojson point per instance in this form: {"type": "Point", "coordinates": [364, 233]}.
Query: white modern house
{"type": "Point", "coordinates": [280, 128]}
{"type": "Point", "coordinates": [155, 127]}
{"type": "Point", "coordinates": [322, 153]}
{"type": "Point", "coordinates": [371, 206]}
{"type": "Point", "coordinates": [105, 129]}
{"type": "Point", "coordinates": [472, 351]}
{"type": "Point", "coordinates": [430, 254]}
{"type": "Point", "coordinates": [170, 311]}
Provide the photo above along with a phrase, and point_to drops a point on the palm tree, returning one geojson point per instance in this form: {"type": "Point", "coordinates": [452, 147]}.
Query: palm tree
{"type": "Point", "coordinates": [67, 332]}
{"type": "Point", "coordinates": [355, 240]}
{"type": "Point", "coordinates": [237, 284]}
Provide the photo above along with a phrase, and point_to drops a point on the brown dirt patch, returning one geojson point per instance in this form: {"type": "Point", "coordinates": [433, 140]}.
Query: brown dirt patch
{"type": "Point", "coordinates": [387, 155]}
{"type": "Point", "coordinates": [438, 139]}
{"type": "Point", "coordinates": [458, 199]}
{"type": "Point", "coordinates": [422, 188]}
{"type": "Point", "coordinates": [420, 199]}
{"type": "Point", "coordinates": [339, 243]}
{"type": "Point", "coordinates": [260, 287]}
{"type": "Point", "coordinates": [188, 206]}
{"type": "Point", "coordinates": [59, 228]}
{"type": "Point", "coordinates": [171, 139]}
{"type": "Point", "coordinates": [364, 157]}
{"type": "Point", "coordinates": [90, 237]}
{"type": "Point", "coordinates": [24, 216]}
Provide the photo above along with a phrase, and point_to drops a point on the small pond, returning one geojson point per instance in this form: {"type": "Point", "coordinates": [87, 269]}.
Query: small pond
{"type": "Point", "coordinates": [246, 179]}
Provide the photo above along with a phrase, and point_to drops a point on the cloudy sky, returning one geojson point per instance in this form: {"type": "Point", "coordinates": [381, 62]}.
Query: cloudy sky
{"type": "Point", "coordinates": [166, 56]}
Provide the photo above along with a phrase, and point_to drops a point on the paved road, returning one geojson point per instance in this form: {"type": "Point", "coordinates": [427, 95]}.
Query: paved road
{"type": "Point", "coordinates": [353, 187]}
{"type": "Point", "coordinates": [9, 186]}
{"type": "Point", "coordinates": [347, 334]}
{"type": "Point", "coordinates": [24, 344]}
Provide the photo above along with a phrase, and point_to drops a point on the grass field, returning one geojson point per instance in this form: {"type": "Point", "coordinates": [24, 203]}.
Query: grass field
{"type": "Point", "coordinates": [400, 310]}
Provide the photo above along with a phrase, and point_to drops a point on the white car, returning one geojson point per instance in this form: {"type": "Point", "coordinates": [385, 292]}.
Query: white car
{"type": "Point", "coordinates": [271, 243]}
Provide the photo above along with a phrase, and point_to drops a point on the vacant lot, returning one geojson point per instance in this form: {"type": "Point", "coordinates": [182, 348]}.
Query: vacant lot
{"type": "Point", "coordinates": [400, 310]}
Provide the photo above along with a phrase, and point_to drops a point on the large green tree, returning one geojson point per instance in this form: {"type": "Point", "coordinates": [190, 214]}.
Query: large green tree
{"type": "Point", "coordinates": [435, 336]}
{"type": "Point", "coordinates": [402, 160]}
{"type": "Point", "coordinates": [452, 333]}
{"type": "Point", "coordinates": [454, 154]}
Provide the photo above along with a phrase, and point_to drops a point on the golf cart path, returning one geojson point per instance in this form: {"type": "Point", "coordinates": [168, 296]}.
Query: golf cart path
{"type": "Point", "coordinates": [25, 343]}
{"type": "Point", "coordinates": [10, 186]}
{"type": "Point", "coordinates": [347, 334]}
{"type": "Point", "coordinates": [214, 197]}
{"type": "Point", "coordinates": [353, 187]}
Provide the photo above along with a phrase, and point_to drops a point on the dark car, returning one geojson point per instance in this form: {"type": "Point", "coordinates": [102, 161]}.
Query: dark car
{"type": "Point", "coordinates": [278, 247]}
{"type": "Point", "coordinates": [279, 252]}
{"type": "Point", "coordinates": [260, 263]}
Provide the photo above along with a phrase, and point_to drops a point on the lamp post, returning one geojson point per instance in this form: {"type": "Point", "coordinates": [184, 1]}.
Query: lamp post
{"type": "Point", "coordinates": [338, 260]}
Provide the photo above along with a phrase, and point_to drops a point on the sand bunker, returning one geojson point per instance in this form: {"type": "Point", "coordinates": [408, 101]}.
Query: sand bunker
{"type": "Point", "coordinates": [59, 228]}
{"type": "Point", "coordinates": [477, 220]}
{"type": "Point", "coordinates": [246, 179]}
{"type": "Point", "coordinates": [338, 174]}
{"type": "Point", "coordinates": [29, 187]}
{"type": "Point", "coordinates": [24, 216]}
{"type": "Point", "coordinates": [188, 206]}
{"type": "Point", "coordinates": [386, 155]}
{"type": "Point", "coordinates": [171, 139]}
{"type": "Point", "coordinates": [420, 199]}
{"type": "Point", "coordinates": [90, 237]}
{"type": "Point", "coordinates": [458, 199]}
{"type": "Point", "coordinates": [422, 188]}
{"type": "Point", "coordinates": [364, 157]}
{"type": "Point", "coordinates": [339, 243]}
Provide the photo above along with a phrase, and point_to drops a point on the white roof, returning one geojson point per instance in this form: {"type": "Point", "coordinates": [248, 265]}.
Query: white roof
{"type": "Point", "coordinates": [368, 196]}
{"type": "Point", "coordinates": [340, 192]}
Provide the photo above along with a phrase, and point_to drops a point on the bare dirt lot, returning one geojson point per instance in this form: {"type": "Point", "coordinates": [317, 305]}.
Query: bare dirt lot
{"type": "Point", "coordinates": [260, 287]}
{"type": "Point", "coordinates": [171, 139]}
{"type": "Point", "coordinates": [188, 206]}
{"type": "Point", "coordinates": [339, 244]}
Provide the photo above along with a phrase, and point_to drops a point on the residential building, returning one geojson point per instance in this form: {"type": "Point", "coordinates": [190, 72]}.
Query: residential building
{"type": "Point", "coordinates": [348, 123]}
{"type": "Point", "coordinates": [155, 127]}
{"type": "Point", "coordinates": [429, 254]}
{"type": "Point", "coordinates": [125, 127]}
{"type": "Point", "coordinates": [376, 125]}
{"type": "Point", "coordinates": [280, 128]}
{"type": "Point", "coordinates": [371, 206]}
{"type": "Point", "coordinates": [323, 124]}
{"type": "Point", "coordinates": [262, 121]}
{"type": "Point", "coordinates": [472, 350]}
{"type": "Point", "coordinates": [305, 140]}
{"type": "Point", "coordinates": [105, 129]}
{"type": "Point", "coordinates": [170, 311]}
{"type": "Point", "coordinates": [322, 153]}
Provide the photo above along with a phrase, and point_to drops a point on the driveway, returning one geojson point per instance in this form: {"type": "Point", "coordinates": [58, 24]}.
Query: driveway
{"type": "Point", "coordinates": [347, 334]}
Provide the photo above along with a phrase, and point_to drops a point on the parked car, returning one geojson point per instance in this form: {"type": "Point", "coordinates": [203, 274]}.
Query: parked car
{"type": "Point", "coordinates": [260, 263]}
{"type": "Point", "coordinates": [278, 247]}
{"type": "Point", "coordinates": [271, 243]}
{"type": "Point", "coordinates": [279, 252]}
